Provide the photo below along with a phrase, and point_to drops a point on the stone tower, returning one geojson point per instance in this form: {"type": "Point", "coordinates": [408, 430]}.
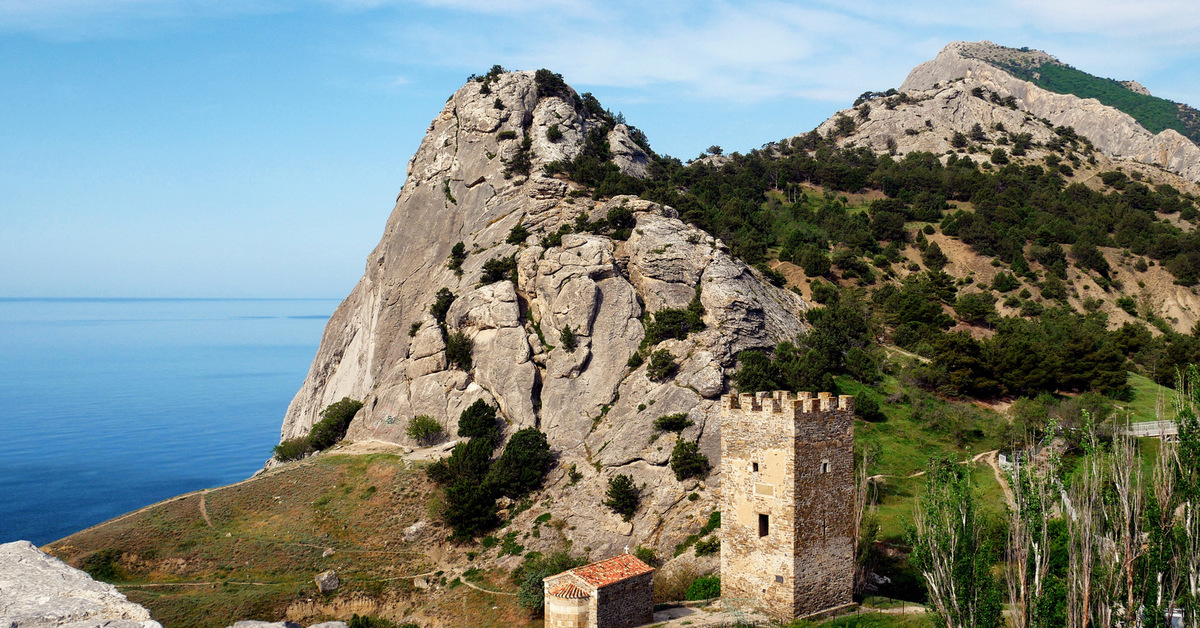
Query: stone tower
{"type": "Point", "coordinates": [787, 507]}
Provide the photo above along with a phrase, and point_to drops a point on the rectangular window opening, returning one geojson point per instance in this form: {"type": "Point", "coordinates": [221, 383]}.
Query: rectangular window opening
{"type": "Point", "coordinates": [824, 467]}
{"type": "Point", "coordinates": [764, 525]}
{"type": "Point", "coordinates": [754, 467]}
{"type": "Point", "coordinates": [779, 579]}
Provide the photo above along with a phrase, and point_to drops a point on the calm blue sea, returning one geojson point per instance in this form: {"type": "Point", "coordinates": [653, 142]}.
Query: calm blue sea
{"type": "Point", "coordinates": [107, 405]}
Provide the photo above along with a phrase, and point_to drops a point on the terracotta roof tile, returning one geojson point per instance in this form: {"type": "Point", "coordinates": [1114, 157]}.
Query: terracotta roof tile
{"type": "Point", "coordinates": [569, 591]}
{"type": "Point", "coordinates": [612, 570]}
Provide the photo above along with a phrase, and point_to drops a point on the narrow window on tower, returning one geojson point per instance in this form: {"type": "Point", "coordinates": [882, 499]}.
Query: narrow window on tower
{"type": "Point", "coordinates": [754, 467]}
{"type": "Point", "coordinates": [824, 466]}
{"type": "Point", "coordinates": [764, 525]}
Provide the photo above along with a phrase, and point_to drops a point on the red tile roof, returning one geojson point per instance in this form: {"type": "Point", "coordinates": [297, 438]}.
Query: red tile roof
{"type": "Point", "coordinates": [569, 591]}
{"type": "Point", "coordinates": [612, 570]}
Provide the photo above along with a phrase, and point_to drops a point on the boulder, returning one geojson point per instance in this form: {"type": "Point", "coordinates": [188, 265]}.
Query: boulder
{"type": "Point", "coordinates": [38, 590]}
{"type": "Point", "coordinates": [327, 581]}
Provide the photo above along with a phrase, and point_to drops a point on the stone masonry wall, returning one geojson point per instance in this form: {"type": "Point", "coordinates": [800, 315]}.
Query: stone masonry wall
{"type": "Point", "coordinates": [627, 603]}
{"type": "Point", "coordinates": [789, 459]}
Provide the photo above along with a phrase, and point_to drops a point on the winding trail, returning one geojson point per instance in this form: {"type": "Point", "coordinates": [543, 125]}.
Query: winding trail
{"type": "Point", "coordinates": [204, 510]}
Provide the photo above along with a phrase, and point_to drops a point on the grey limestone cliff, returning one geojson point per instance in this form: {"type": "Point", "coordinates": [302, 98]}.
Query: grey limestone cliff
{"type": "Point", "coordinates": [382, 345]}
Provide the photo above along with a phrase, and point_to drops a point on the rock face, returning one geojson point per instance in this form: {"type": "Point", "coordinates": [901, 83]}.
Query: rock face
{"type": "Point", "coordinates": [383, 346]}
{"type": "Point", "coordinates": [38, 590]}
{"type": "Point", "coordinates": [1117, 134]}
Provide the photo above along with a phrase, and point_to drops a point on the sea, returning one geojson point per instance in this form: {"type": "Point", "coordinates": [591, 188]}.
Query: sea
{"type": "Point", "coordinates": [108, 405]}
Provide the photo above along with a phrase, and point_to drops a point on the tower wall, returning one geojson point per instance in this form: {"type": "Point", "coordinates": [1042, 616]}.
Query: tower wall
{"type": "Point", "coordinates": [787, 465]}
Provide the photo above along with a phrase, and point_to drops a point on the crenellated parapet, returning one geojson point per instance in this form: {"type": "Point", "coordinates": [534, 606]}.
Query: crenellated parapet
{"type": "Point", "coordinates": [786, 402]}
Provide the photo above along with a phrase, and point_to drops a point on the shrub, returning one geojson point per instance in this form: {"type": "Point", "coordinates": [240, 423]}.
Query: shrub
{"type": "Point", "coordinates": [687, 461]}
{"type": "Point", "coordinates": [457, 254]}
{"type": "Point", "coordinates": [441, 305]}
{"type": "Point", "coordinates": [533, 570]}
{"type": "Point", "coordinates": [634, 360]}
{"type": "Point", "coordinates": [708, 547]}
{"type": "Point", "coordinates": [424, 429]}
{"type": "Point", "coordinates": [458, 350]}
{"type": "Point", "coordinates": [523, 465]}
{"type": "Point", "coordinates": [705, 588]}
{"type": "Point", "coordinates": [823, 291]}
{"type": "Point", "coordinates": [478, 420]}
{"type": "Point", "coordinates": [292, 449]}
{"type": "Point", "coordinates": [104, 565]}
{"type": "Point", "coordinates": [662, 365]}
{"type": "Point", "coordinates": [647, 555]}
{"type": "Point", "coordinates": [567, 339]}
{"type": "Point", "coordinates": [554, 133]}
{"type": "Point", "coordinates": [1005, 282]}
{"type": "Point", "coordinates": [673, 422]}
{"type": "Point", "coordinates": [623, 496]}
{"type": "Point", "coordinates": [371, 621]}
{"type": "Point", "coordinates": [506, 135]}
{"type": "Point", "coordinates": [499, 269]}
{"type": "Point", "coordinates": [517, 234]}
{"type": "Point", "coordinates": [549, 83]}
{"type": "Point", "coordinates": [335, 419]}
{"type": "Point", "coordinates": [414, 328]}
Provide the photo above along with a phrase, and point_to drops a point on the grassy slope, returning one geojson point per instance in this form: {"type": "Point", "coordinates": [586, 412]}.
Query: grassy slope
{"type": "Point", "coordinates": [1147, 395]}
{"type": "Point", "coordinates": [268, 539]}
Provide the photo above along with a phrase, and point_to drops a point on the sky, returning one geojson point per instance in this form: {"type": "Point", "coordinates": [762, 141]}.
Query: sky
{"type": "Point", "coordinates": [254, 148]}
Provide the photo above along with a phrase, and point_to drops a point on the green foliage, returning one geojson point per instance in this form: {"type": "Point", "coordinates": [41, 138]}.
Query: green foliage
{"type": "Point", "coordinates": [499, 269]}
{"type": "Point", "coordinates": [952, 551]}
{"type": "Point", "coordinates": [335, 419]}
{"type": "Point", "coordinates": [523, 465]}
{"type": "Point", "coordinates": [520, 162]}
{"type": "Point", "coordinates": [662, 365]}
{"type": "Point", "coordinates": [441, 305]}
{"type": "Point", "coordinates": [371, 621]}
{"type": "Point", "coordinates": [104, 565]}
{"type": "Point", "coordinates": [567, 339]}
{"type": "Point", "coordinates": [447, 193]}
{"type": "Point", "coordinates": [414, 328]}
{"type": "Point", "coordinates": [673, 422]}
{"type": "Point", "coordinates": [977, 308]}
{"type": "Point", "coordinates": [623, 496]}
{"type": "Point", "coordinates": [1005, 282]}
{"type": "Point", "coordinates": [934, 258]}
{"type": "Point", "coordinates": [708, 547]}
{"type": "Point", "coordinates": [705, 588]}
{"type": "Point", "coordinates": [506, 135]}
{"type": "Point", "coordinates": [550, 84]}
{"type": "Point", "coordinates": [518, 234]}
{"type": "Point", "coordinates": [424, 429]}
{"type": "Point", "coordinates": [292, 449]}
{"type": "Point", "coordinates": [554, 133]}
{"type": "Point", "coordinates": [478, 421]}
{"type": "Point", "coordinates": [647, 555]}
{"type": "Point", "coordinates": [687, 461]}
{"type": "Point", "coordinates": [634, 360]}
{"type": "Point", "coordinates": [458, 350]}
{"type": "Point", "coordinates": [457, 254]}
{"type": "Point", "coordinates": [533, 570]}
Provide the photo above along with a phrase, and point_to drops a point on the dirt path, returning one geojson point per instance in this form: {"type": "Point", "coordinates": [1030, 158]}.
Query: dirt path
{"type": "Point", "coordinates": [993, 460]}
{"type": "Point", "coordinates": [478, 588]}
{"type": "Point", "coordinates": [204, 510]}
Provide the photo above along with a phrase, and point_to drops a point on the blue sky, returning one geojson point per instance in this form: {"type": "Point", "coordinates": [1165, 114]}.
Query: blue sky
{"type": "Point", "coordinates": [254, 148]}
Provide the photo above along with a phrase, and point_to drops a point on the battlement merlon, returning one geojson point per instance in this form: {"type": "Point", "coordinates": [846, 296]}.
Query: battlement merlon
{"type": "Point", "coordinates": [786, 402]}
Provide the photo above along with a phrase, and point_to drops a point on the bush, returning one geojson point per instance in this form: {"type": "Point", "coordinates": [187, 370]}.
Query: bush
{"type": "Point", "coordinates": [517, 234]}
{"type": "Point", "coordinates": [647, 555]}
{"type": "Point", "coordinates": [335, 419]}
{"type": "Point", "coordinates": [623, 496]}
{"type": "Point", "coordinates": [567, 339]}
{"type": "Point", "coordinates": [549, 83]}
{"type": "Point", "coordinates": [457, 254]}
{"type": "Point", "coordinates": [708, 547]}
{"type": "Point", "coordinates": [705, 588]}
{"type": "Point", "coordinates": [104, 565]}
{"type": "Point", "coordinates": [523, 465]}
{"type": "Point", "coordinates": [371, 621]}
{"type": "Point", "coordinates": [424, 429]}
{"type": "Point", "coordinates": [441, 305]}
{"type": "Point", "coordinates": [533, 570]}
{"type": "Point", "coordinates": [554, 133]}
{"type": "Point", "coordinates": [662, 365]}
{"type": "Point", "coordinates": [687, 461]}
{"type": "Point", "coordinates": [458, 350]}
{"type": "Point", "coordinates": [292, 449]}
{"type": "Point", "coordinates": [478, 421]}
{"type": "Point", "coordinates": [673, 422]}
{"type": "Point", "coordinates": [634, 360]}
{"type": "Point", "coordinates": [499, 269]}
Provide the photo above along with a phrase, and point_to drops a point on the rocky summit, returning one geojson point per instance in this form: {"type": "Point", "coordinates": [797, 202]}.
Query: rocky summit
{"type": "Point", "coordinates": [384, 346]}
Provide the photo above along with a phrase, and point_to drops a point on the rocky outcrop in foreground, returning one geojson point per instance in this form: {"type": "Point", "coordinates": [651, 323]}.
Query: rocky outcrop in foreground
{"type": "Point", "coordinates": [39, 591]}
{"type": "Point", "coordinates": [596, 405]}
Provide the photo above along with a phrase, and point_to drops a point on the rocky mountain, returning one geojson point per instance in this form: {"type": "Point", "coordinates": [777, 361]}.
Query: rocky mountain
{"type": "Point", "coordinates": [973, 82]}
{"type": "Point", "coordinates": [383, 345]}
